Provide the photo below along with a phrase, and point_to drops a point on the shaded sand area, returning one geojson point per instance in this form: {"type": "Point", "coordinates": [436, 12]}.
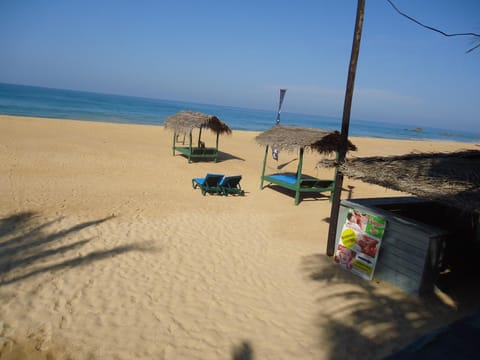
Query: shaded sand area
{"type": "Point", "coordinates": [106, 252]}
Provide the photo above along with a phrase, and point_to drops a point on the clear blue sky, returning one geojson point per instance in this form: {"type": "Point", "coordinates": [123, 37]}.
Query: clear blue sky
{"type": "Point", "coordinates": [239, 53]}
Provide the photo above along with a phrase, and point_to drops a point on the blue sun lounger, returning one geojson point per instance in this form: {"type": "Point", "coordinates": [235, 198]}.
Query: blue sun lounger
{"type": "Point", "coordinates": [210, 183]}
{"type": "Point", "coordinates": [231, 185]}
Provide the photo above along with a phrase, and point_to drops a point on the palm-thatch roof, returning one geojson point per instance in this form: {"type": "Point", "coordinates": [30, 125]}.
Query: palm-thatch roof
{"type": "Point", "coordinates": [449, 178]}
{"type": "Point", "coordinates": [184, 121]}
{"type": "Point", "coordinates": [291, 138]}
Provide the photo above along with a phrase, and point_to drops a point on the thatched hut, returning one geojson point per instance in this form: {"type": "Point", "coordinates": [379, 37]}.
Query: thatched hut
{"type": "Point", "coordinates": [434, 237]}
{"type": "Point", "coordinates": [449, 178]}
{"type": "Point", "coordinates": [294, 138]}
{"type": "Point", "coordinates": [184, 123]}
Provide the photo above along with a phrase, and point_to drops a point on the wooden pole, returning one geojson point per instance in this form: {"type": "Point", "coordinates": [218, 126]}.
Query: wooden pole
{"type": "Point", "coordinates": [347, 106]}
{"type": "Point", "coordinates": [199, 137]}
{"type": "Point", "coordinates": [173, 146]}
{"type": "Point", "coordinates": [299, 176]}
{"type": "Point", "coordinates": [264, 166]}
{"type": "Point", "coordinates": [190, 147]}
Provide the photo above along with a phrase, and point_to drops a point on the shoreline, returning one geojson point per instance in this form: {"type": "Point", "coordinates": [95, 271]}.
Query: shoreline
{"type": "Point", "coordinates": [440, 131]}
{"type": "Point", "coordinates": [106, 251]}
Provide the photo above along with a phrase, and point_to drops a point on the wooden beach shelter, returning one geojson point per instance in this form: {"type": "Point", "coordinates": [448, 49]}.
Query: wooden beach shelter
{"type": "Point", "coordinates": [184, 123]}
{"type": "Point", "coordinates": [293, 139]}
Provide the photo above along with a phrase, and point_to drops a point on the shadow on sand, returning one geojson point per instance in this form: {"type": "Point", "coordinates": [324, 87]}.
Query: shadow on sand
{"type": "Point", "coordinates": [28, 248]}
{"type": "Point", "coordinates": [350, 309]}
{"type": "Point", "coordinates": [244, 351]}
{"type": "Point", "coordinates": [221, 157]}
{"type": "Point", "coordinates": [307, 196]}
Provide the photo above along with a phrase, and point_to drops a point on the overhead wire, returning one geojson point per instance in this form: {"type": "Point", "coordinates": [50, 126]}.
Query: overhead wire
{"type": "Point", "coordinates": [435, 29]}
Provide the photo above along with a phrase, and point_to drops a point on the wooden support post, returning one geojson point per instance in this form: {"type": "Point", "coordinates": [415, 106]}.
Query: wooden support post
{"type": "Point", "coordinates": [264, 165]}
{"type": "Point", "coordinates": [216, 146]}
{"type": "Point", "coordinates": [190, 147]}
{"type": "Point", "coordinates": [199, 137]}
{"type": "Point", "coordinates": [347, 106]}
{"type": "Point", "coordinates": [334, 178]}
{"type": "Point", "coordinates": [299, 176]}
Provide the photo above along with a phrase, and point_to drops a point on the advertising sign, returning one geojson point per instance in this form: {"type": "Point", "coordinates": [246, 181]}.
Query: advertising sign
{"type": "Point", "coordinates": [359, 242]}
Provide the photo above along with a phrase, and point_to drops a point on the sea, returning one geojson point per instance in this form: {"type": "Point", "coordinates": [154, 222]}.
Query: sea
{"type": "Point", "coordinates": [34, 101]}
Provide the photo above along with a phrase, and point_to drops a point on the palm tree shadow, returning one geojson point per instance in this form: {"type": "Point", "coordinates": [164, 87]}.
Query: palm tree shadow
{"type": "Point", "coordinates": [304, 196]}
{"type": "Point", "coordinates": [28, 248]}
{"type": "Point", "coordinates": [351, 309]}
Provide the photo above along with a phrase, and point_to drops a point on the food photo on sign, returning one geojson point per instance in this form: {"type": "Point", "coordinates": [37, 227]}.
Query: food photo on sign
{"type": "Point", "coordinates": [359, 243]}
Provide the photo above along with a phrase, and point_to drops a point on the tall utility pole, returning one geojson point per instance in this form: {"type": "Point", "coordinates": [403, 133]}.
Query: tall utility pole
{"type": "Point", "coordinates": [347, 106]}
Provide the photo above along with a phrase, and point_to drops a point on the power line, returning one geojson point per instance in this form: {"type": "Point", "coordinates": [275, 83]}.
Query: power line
{"type": "Point", "coordinates": [434, 29]}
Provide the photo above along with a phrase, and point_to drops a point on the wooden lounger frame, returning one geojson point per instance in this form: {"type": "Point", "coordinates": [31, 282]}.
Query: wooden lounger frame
{"type": "Point", "coordinates": [297, 182]}
{"type": "Point", "coordinates": [195, 152]}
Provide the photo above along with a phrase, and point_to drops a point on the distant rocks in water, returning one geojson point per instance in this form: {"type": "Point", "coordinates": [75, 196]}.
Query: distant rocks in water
{"type": "Point", "coordinates": [417, 129]}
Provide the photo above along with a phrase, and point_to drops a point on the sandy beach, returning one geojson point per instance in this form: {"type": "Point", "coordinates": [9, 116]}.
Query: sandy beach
{"type": "Point", "coordinates": [107, 252]}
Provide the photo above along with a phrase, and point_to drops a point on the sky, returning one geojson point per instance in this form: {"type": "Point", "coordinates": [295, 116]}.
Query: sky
{"type": "Point", "coordinates": [240, 53]}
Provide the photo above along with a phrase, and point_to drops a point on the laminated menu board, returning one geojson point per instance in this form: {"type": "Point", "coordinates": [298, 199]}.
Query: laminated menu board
{"type": "Point", "coordinates": [359, 242]}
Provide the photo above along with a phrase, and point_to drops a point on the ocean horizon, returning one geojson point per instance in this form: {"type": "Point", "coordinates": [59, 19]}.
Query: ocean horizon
{"type": "Point", "coordinates": [35, 101]}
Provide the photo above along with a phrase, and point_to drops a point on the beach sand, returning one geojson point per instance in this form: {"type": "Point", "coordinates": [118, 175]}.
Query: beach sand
{"type": "Point", "coordinates": [106, 252]}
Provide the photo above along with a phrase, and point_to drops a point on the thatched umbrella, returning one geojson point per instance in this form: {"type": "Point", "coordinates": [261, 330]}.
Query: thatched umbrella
{"type": "Point", "coordinates": [185, 121]}
{"type": "Point", "coordinates": [293, 138]}
{"type": "Point", "coordinates": [449, 178]}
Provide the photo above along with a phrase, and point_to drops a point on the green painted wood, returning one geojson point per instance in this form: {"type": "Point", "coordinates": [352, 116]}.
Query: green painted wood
{"type": "Point", "coordinates": [197, 153]}
{"type": "Point", "coordinates": [302, 184]}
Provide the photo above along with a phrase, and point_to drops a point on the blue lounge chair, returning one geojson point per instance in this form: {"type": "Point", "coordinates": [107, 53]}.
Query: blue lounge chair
{"type": "Point", "coordinates": [231, 185]}
{"type": "Point", "coordinates": [210, 183]}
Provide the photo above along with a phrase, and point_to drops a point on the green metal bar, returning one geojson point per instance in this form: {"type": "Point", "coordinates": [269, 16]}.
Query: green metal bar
{"type": "Point", "coordinates": [299, 176]}
{"type": "Point", "coordinates": [264, 165]}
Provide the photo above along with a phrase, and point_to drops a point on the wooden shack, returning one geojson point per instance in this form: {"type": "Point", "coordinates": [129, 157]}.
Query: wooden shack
{"type": "Point", "coordinates": [432, 239]}
{"type": "Point", "coordinates": [411, 252]}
